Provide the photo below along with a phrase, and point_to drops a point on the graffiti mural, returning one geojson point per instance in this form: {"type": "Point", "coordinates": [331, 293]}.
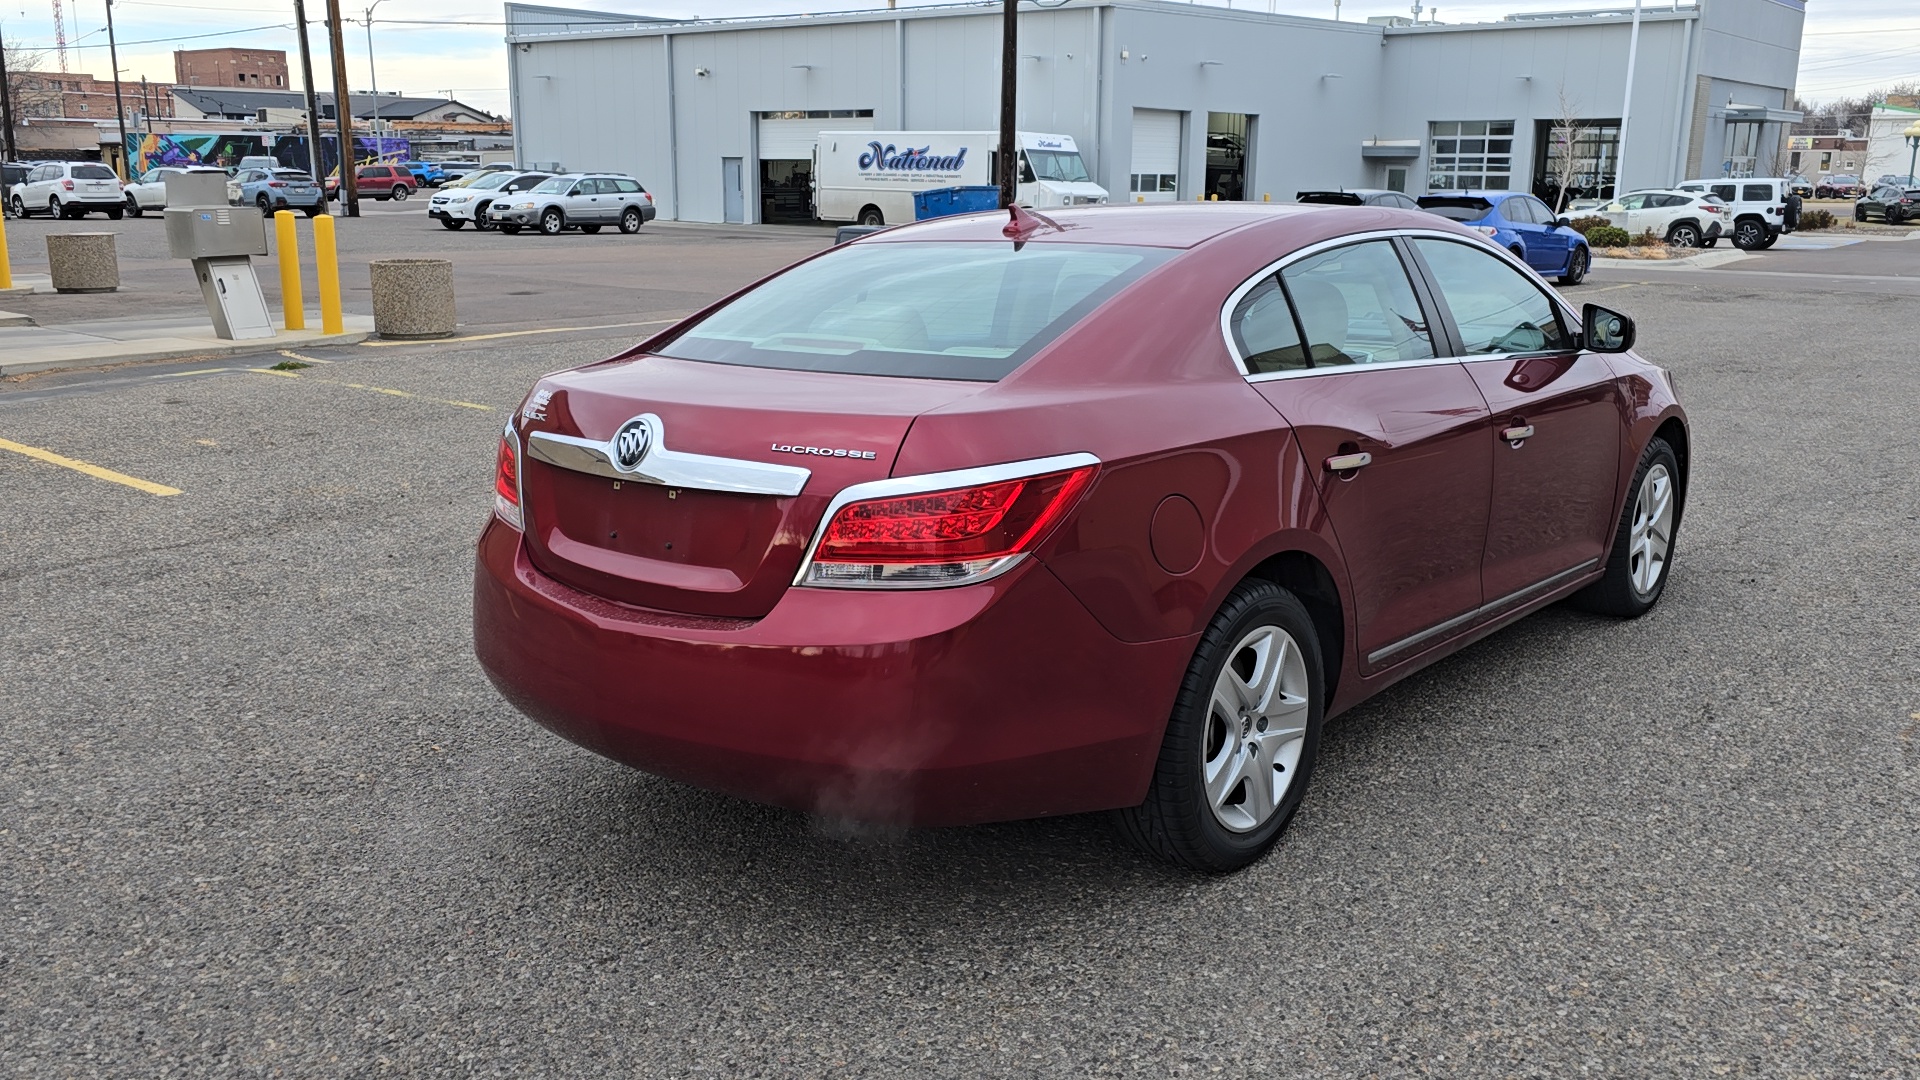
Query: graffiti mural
{"type": "Point", "coordinates": [292, 151]}
{"type": "Point", "coordinates": [224, 149]}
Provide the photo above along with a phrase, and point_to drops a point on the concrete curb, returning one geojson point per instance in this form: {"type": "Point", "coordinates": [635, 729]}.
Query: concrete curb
{"type": "Point", "coordinates": [179, 346]}
{"type": "Point", "coordinates": [14, 318]}
{"type": "Point", "coordinates": [1706, 260]}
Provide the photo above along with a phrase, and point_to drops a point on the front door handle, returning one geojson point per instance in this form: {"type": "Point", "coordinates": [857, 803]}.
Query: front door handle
{"type": "Point", "coordinates": [1517, 433]}
{"type": "Point", "coordinates": [1348, 462]}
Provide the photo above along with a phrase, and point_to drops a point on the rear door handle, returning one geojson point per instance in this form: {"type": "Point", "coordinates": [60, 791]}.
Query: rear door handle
{"type": "Point", "coordinates": [1515, 434]}
{"type": "Point", "coordinates": [1348, 462]}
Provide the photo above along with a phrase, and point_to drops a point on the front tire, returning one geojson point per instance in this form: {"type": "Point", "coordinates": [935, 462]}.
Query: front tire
{"type": "Point", "coordinates": [1642, 554]}
{"type": "Point", "coordinates": [552, 222]}
{"type": "Point", "coordinates": [451, 224]}
{"type": "Point", "coordinates": [19, 208]}
{"type": "Point", "coordinates": [1240, 746]}
{"type": "Point", "coordinates": [510, 230]}
{"type": "Point", "coordinates": [480, 222]}
{"type": "Point", "coordinates": [133, 206]}
{"type": "Point", "coordinates": [1577, 264]}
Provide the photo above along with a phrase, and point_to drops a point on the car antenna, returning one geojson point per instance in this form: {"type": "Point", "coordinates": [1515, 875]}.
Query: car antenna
{"type": "Point", "coordinates": [1023, 223]}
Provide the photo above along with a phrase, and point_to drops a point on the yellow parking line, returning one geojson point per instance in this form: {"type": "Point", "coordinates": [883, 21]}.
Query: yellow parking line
{"type": "Point", "coordinates": [94, 471]}
{"type": "Point", "coordinates": [523, 333]}
{"type": "Point", "coordinates": [184, 374]}
{"type": "Point", "coordinates": [376, 389]}
{"type": "Point", "coordinates": [302, 357]}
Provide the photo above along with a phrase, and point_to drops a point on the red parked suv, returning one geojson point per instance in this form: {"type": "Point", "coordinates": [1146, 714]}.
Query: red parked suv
{"type": "Point", "coordinates": [384, 182]}
{"type": "Point", "coordinates": [999, 516]}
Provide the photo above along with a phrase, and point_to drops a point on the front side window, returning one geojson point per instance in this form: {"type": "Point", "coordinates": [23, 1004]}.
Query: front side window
{"type": "Point", "coordinates": [924, 310]}
{"type": "Point", "coordinates": [553, 185]}
{"type": "Point", "coordinates": [1496, 308]}
{"type": "Point", "coordinates": [1356, 306]}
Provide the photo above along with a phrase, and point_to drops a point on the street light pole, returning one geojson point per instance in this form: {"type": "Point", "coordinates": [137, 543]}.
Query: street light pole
{"type": "Point", "coordinates": [1626, 107]}
{"type": "Point", "coordinates": [1913, 139]}
{"type": "Point", "coordinates": [119, 110]}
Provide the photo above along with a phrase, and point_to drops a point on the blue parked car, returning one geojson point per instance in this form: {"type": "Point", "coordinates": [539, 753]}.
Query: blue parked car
{"type": "Point", "coordinates": [277, 189]}
{"type": "Point", "coordinates": [1520, 223]}
{"type": "Point", "coordinates": [425, 173]}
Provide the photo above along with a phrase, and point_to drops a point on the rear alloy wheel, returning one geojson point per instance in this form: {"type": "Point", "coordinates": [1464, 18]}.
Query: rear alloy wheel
{"type": "Point", "coordinates": [133, 206]}
{"type": "Point", "coordinates": [1577, 264]}
{"type": "Point", "coordinates": [400, 193]}
{"type": "Point", "coordinates": [871, 215]}
{"type": "Point", "coordinates": [1240, 745]}
{"type": "Point", "coordinates": [1749, 235]}
{"type": "Point", "coordinates": [54, 207]}
{"type": "Point", "coordinates": [114, 214]}
{"type": "Point", "coordinates": [1642, 553]}
{"type": "Point", "coordinates": [266, 207]}
{"type": "Point", "coordinates": [551, 222]}
{"type": "Point", "coordinates": [1684, 234]}
{"type": "Point", "coordinates": [630, 220]}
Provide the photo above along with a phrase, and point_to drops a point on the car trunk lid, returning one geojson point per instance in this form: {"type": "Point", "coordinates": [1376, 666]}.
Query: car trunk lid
{"type": "Point", "coordinates": [693, 487]}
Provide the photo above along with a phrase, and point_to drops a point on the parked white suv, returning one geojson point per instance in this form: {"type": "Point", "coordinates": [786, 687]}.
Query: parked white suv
{"type": "Point", "coordinates": [69, 189]}
{"type": "Point", "coordinates": [584, 201]}
{"type": "Point", "coordinates": [150, 191]}
{"type": "Point", "coordinates": [1682, 218]}
{"type": "Point", "coordinates": [1758, 206]}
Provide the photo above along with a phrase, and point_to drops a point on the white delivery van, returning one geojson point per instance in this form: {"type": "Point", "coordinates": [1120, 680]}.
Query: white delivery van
{"type": "Point", "coordinates": [870, 176]}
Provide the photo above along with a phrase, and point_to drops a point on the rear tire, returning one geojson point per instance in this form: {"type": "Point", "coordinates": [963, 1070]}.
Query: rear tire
{"type": "Point", "coordinates": [1577, 264]}
{"type": "Point", "coordinates": [1641, 559]}
{"type": "Point", "coordinates": [1684, 234]}
{"type": "Point", "coordinates": [54, 209]}
{"type": "Point", "coordinates": [133, 206]}
{"type": "Point", "coordinates": [312, 211]}
{"type": "Point", "coordinates": [630, 220]}
{"type": "Point", "coordinates": [1240, 745]}
{"type": "Point", "coordinates": [115, 213]}
{"type": "Point", "coordinates": [266, 208]}
{"type": "Point", "coordinates": [400, 192]}
{"type": "Point", "coordinates": [871, 215]}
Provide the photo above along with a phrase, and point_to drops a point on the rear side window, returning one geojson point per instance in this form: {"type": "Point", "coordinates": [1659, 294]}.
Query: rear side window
{"type": "Point", "coordinates": [968, 311]}
{"type": "Point", "coordinates": [627, 187]}
{"type": "Point", "coordinates": [92, 172]}
{"type": "Point", "coordinates": [1356, 306]}
{"type": "Point", "coordinates": [1264, 330]}
{"type": "Point", "coordinates": [1496, 308]}
{"type": "Point", "coordinates": [1725, 191]}
{"type": "Point", "coordinates": [1757, 192]}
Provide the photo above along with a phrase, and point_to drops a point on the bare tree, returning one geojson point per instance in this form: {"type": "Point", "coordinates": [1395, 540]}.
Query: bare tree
{"type": "Point", "coordinates": [28, 93]}
{"type": "Point", "coordinates": [1565, 138]}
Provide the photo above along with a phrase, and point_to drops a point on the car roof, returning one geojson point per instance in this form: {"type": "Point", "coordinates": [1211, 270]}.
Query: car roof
{"type": "Point", "coordinates": [1167, 225]}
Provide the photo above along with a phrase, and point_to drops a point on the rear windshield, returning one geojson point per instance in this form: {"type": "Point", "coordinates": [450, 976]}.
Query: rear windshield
{"type": "Point", "coordinates": [1336, 198]}
{"type": "Point", "coordinates": [929, 310]}
{"type": "Point", "coordinates": [93, 172]}
{"type": "Point", "coordinates": [1455, 208]}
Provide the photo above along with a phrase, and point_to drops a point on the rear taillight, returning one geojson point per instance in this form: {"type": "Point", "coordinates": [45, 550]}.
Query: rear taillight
{"type": "Point", "coordinates": [276, 183]}
{"type": "Point", "coordinates": [506, 481]}
{"type": "Point", "coordinates": [944, 529]}
{"type": "Point", "coordinates": [1485, 230]}
{"type": "Point", "coordinates": [66, 185]}
{"type": "Point", "coordinates": [1709, 208]}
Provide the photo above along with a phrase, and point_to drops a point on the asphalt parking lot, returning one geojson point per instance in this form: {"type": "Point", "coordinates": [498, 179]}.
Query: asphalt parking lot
{"type": "Point", "coordinates": [264, 816]}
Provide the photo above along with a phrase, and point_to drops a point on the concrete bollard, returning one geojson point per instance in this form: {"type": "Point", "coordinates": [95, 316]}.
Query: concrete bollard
{"type": "Point", "coordinates": [412, 298]}
{"type": "Point", "coordinates": [83, 262]}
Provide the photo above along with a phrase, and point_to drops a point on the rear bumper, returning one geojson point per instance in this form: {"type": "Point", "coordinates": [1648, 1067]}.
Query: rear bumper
{"type": "Point", "coordinates": [1713, 230]}
{"type": "Point", "coordinates": [992, 702]}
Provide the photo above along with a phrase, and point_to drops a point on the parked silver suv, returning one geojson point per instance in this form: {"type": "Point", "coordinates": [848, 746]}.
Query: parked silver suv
{"type": "Point", "coordinates": [584, 201]}
{"type": "Point", "coordinates": [1759, 209]}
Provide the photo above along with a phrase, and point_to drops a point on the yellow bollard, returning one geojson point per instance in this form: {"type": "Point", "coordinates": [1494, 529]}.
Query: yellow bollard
{"type": "Point", "coordinates": [1266, 196]}
{"type": "Point", "coordinates": [1215, 198]}
{"type": "Point", "coordinates": [326, 265]}
{"type": "Point", "coordinates": [6, 266]}
{"type": "Point", "coordinates": [1139, 198]}
{"type": "Point", "coordinates": [286, 248]}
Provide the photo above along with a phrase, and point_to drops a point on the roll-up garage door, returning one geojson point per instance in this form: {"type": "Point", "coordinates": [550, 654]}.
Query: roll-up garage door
{"type": "Point", "coordinates": [792, 140]}
{"type": "Point", "coordinates": [1156, 155]}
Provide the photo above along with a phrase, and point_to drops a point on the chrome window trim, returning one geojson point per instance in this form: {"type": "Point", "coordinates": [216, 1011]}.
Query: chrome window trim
{"type": "Point", "coordinates": [925, 482]}
{"type": "Point", "coordinates": [667, 468]}
{"type": "Point", "coordinates": [1234, 298]}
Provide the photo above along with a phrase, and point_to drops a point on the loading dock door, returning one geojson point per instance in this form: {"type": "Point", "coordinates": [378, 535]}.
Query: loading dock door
{"type": "Point", "coordinates": [1156, 155]}
{"type": "Point", "coordinates": [786, 162]}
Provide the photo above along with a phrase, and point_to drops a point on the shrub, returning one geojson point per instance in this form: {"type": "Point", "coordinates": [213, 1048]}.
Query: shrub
{"type": "Point", "coordinates": [1816, 219]}
{"type": "Point", "coordinates": [1582, 224]}
{"type": "Point", "coordinates": [1607, 236]}
{"type": "Point", "coordinates": [1647, 239]}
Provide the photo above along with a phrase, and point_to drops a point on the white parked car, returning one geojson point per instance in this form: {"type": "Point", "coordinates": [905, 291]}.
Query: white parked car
{"type": "Point", "coordinates": [69, 189]}
{"type": "Point", "coordinates": [1681, 218]}
{"type": "Point", "coordinates": [150, 191]}
{"type": "Point", "coordinates": [454, 207]}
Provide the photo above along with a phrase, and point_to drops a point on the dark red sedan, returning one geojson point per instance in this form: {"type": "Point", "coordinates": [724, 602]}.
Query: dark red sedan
{"type": "Point", "coordinates": [981, 518]}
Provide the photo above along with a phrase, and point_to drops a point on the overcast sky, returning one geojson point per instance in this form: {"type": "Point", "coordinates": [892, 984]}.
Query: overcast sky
{"type": "Point", "coordinates": [436, 46]}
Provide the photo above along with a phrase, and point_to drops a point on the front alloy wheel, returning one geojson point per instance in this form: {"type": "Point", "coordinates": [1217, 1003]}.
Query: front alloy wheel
{"type": "Point", "coordinates": [133, 206]}
{"type": "Point", "coordinates": [1642, 553]}
{"type": "Point", "coordinates": [1240, 744]}
{"type": "Point", "coordinates": [551, 222]}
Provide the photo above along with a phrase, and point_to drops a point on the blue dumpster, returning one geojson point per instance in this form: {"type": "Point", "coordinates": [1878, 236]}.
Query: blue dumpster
{"type": "Point", "coordinates": [939, 202]}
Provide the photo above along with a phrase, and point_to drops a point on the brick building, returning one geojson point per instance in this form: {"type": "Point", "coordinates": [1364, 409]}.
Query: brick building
{"type": "Point", "coordinates": [76, 96]}
{"type": "Point", "coordinates": [262, 69]}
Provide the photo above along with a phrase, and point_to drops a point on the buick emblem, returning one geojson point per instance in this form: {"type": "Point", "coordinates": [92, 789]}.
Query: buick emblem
{"type": "Point", "coordinates": [631, 443]}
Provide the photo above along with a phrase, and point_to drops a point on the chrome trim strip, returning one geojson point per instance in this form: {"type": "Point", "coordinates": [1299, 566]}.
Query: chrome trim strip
{"type": "Point", "coordinates": [668, 468]}
{"type": "Point", "coordinates": [940, 481]}
{"type": "Point", "coordinates": [1430, 632]}
{"type": "Point", "coordinates": [1234, 298]}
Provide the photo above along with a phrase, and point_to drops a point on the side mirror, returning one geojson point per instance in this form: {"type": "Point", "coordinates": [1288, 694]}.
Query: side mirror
{"type": "Point", "coordinates": [1563, 222]}
{"type": "Point", "coordinates": [1605, 331]}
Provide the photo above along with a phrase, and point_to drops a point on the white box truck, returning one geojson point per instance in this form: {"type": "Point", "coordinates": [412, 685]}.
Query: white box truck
{"type": "Point", "coordinates": [870, 176]}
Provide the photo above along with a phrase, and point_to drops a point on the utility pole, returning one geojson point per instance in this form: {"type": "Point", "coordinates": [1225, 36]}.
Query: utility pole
{"type": "Point", "coordinates": [372, 75]}
{"type": "Point", "coordinates": [314, 157]}
{"type": "Point", "coordinates": [6, 105]}
{"type": "Point", "coordinates": [1009, 72]}
{"type": "Point", "coordinates": [119, 110]}
{"type": "Point", "coordinates": [146, 104]}
{"type": "Point", "coordinates": [343, 112]}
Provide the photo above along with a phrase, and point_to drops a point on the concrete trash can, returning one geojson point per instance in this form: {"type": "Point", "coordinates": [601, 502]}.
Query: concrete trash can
{"type": "Point", "coordinates": [83, 262]}
{"type": "Point", "coordinates": [412, 298]}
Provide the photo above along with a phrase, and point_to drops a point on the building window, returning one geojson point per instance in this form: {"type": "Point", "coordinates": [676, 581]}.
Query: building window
{"type": "Point", "coordinates": [1152, 183]}
{"type": "Point", "coordinates": [1470, 155]}
{"type": "Point", "coordinates": [1595, 152]}
{"type": "Point", "coordinates": [815, 114]}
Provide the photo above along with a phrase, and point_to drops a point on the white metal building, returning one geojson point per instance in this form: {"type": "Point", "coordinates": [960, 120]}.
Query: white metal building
{"type": "Point", "coordinates": [1166, 100]}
